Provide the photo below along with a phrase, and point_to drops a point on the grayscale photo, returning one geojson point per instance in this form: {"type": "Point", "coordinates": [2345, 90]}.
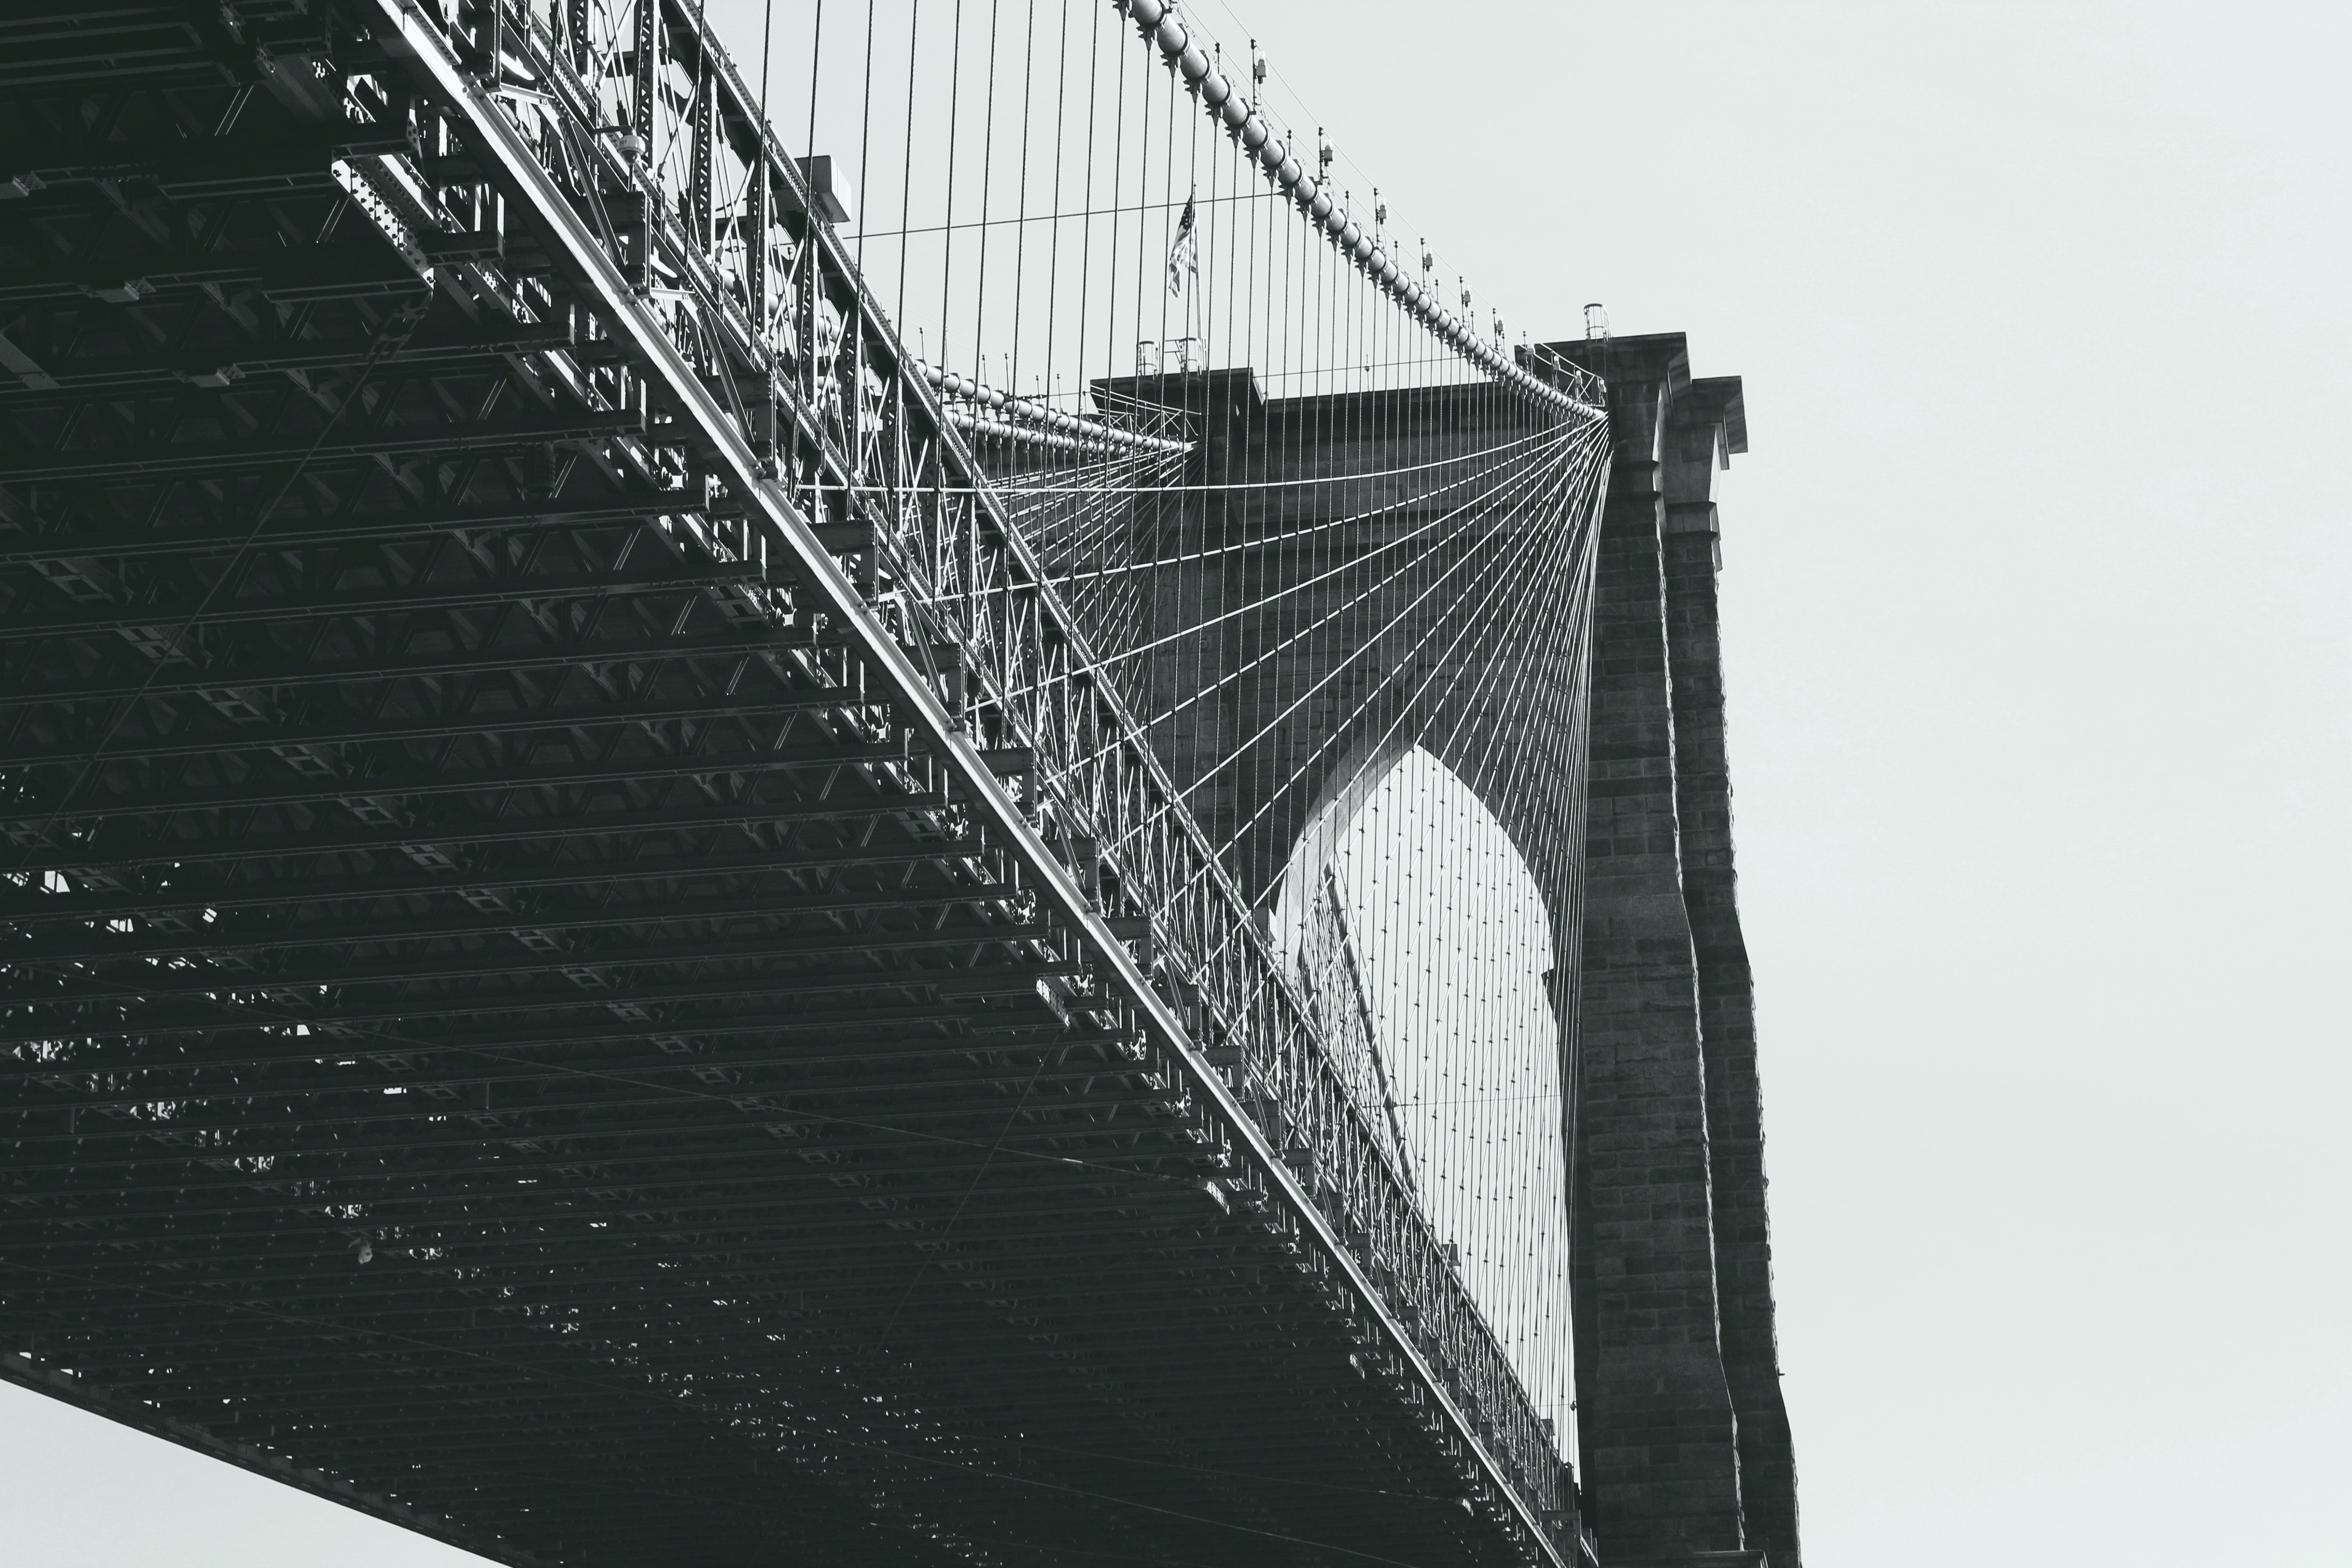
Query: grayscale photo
{"type": "Point", "coordinates": [1173, 784]}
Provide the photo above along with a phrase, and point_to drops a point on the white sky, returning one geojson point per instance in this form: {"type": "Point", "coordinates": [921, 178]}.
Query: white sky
{"type": "Point", "coordinates": [2032, 592]}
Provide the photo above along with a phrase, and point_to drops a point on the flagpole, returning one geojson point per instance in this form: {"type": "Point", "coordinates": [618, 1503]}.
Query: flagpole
{"type": "Point", "coordinates": [1191, 287]}
{"type": "Point", "coordinates": [1192, 281]}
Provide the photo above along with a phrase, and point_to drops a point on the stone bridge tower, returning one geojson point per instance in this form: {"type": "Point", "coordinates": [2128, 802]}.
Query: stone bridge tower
{"type": "Point", "coordinates": [1595, 734]}
{"type": "Point", "coordinates": [1685, 1437]}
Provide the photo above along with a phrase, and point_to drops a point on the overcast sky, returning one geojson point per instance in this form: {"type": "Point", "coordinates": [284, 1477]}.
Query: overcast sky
{"type": "Point", "coordinates": [2034, 587]}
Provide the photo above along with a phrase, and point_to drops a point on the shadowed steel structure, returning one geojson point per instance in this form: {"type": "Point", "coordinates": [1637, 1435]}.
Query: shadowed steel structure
{"type": "Point", "coordinates": [643, 927]}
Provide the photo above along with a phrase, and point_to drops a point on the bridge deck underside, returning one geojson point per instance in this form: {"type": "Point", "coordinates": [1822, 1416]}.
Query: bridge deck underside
{"type": "Point", "coordinates": [496, 1012]}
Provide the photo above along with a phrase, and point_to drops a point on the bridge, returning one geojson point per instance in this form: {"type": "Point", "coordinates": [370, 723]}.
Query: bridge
{"type": "Point", "coordinates": [645, 923]}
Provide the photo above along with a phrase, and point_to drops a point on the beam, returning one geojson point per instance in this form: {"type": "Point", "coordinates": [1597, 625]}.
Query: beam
{"type": "Point", "coordinates": [168, 459]}
{"type": "Point", "coordinates": [650, 709]}
{"type": "Point", "coordinates": [385, 601]}
{"type": "Point", "coordinates": [439, 781]}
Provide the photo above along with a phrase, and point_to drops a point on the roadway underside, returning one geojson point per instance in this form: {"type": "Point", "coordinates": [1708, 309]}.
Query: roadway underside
{"type": "Point", "coordinates": [500, 1025]}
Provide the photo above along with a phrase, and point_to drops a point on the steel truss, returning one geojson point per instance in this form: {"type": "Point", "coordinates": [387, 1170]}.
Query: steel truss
{"type": "Point", "coordinates": [493, 602]}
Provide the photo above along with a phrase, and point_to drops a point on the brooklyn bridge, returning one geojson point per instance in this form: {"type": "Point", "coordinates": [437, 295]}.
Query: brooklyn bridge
{"type": "Point", "coordinates": [881, 793]}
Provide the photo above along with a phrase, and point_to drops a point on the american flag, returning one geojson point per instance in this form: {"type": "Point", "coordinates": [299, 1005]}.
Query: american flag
{"type": "Point", "coordinates": [1183, 257]}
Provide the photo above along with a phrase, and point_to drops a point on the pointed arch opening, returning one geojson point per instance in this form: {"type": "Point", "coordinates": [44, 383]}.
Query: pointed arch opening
{"type": "Point", "coordinates": [1424, 946]}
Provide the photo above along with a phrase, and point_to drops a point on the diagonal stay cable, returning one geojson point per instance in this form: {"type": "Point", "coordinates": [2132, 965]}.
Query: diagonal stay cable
{"type": "Point", "coordinates": [1495, 577]}
{"type": "Point", "coordinates": [1302, 584]}
{"type": "Point", "coordinates": [1371, 643]}
{"type": "Point", "coordinates": [1278, 647]}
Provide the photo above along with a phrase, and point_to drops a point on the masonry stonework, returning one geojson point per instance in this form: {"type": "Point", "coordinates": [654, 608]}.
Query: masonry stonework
{"type": "Point", "coordinates": [1685, 1437]}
